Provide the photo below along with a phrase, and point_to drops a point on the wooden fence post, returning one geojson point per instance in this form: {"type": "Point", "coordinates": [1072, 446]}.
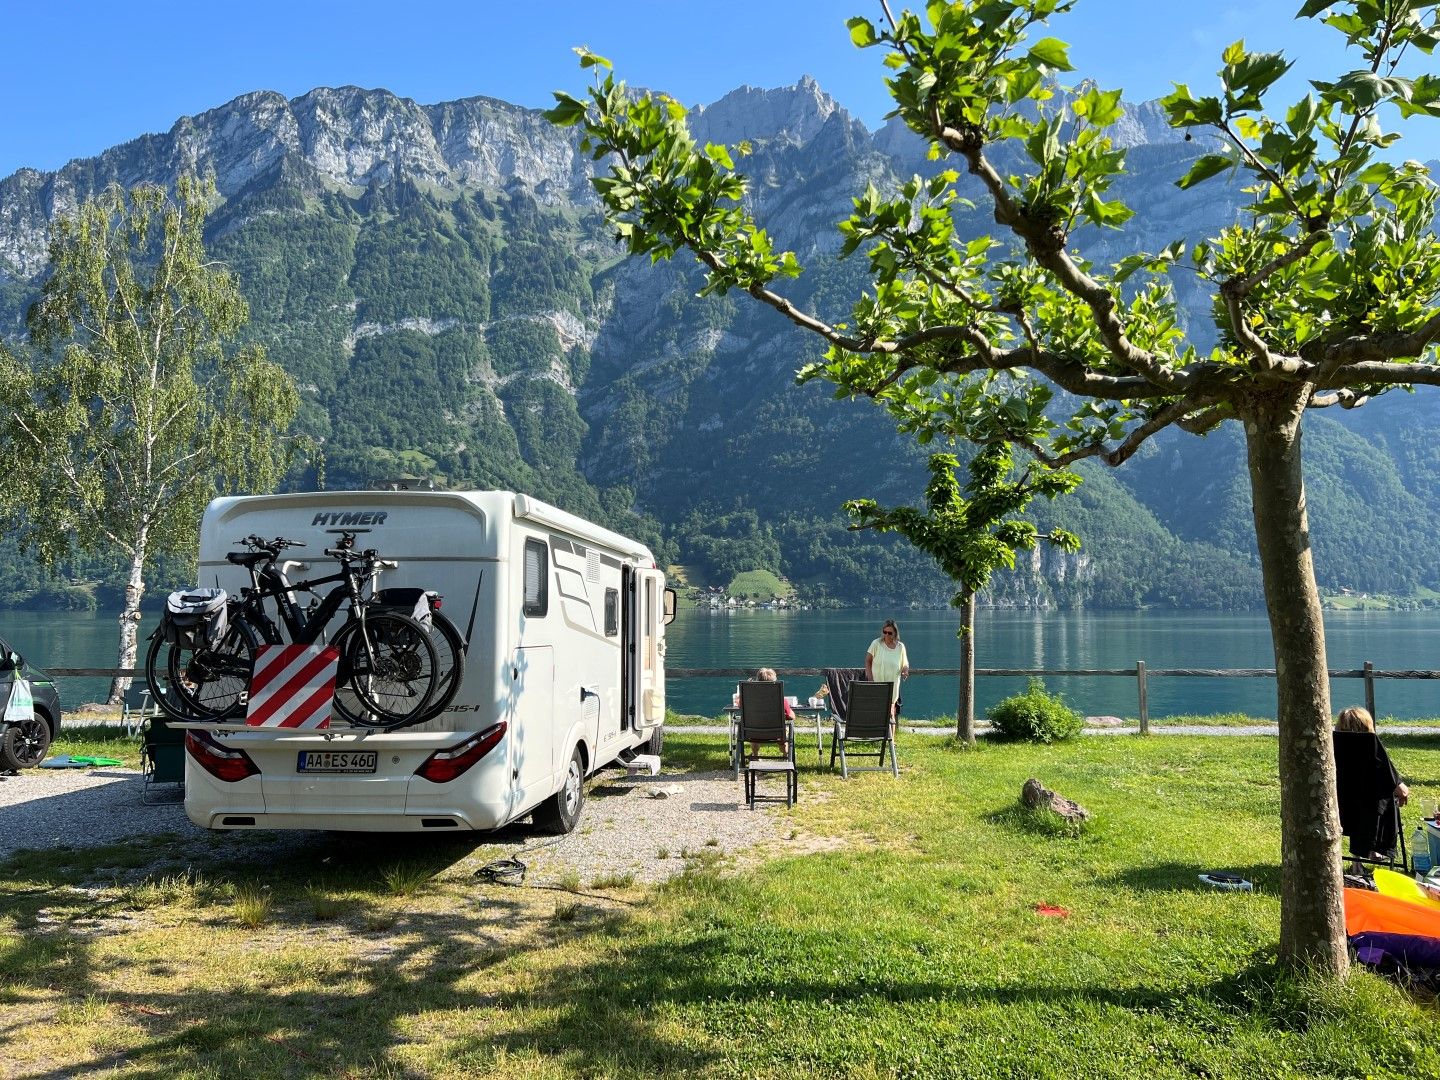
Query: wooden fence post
{"type": "Point", "coordinates": [1144, 703]}
{"type": "Point", "coordinates": [1370, 689]}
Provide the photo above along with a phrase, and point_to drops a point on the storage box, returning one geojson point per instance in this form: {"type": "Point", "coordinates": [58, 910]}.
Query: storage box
{"type": "Point", "coordinates": [1432, 835]}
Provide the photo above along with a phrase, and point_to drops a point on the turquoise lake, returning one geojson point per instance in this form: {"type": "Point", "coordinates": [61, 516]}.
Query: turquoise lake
{"type": "Point", "coordinates": [1006, 639]}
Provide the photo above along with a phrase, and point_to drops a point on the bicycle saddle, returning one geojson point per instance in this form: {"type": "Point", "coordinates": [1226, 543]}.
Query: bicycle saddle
{"type": "Point", "coordinates": [249, 558]}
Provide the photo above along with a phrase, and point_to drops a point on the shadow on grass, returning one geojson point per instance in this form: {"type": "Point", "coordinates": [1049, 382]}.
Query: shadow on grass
{"type": "Point", "coordinates": [628, 998]}
{"type": "Point", "coordinates": [237, 1025]}
{"type": "Point", "coordinates": [1185, 877]}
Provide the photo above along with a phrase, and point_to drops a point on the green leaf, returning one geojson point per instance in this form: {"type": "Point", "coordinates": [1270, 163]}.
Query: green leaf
{"type": "Point", "coordinates": [1204, 168]}
{"type": "Point", "coordinates": [1102, 107]}
{"type": "Point", "coordinates": [719, 154]}
{"type": "Point", "coordinates": [1052, 53]}
{"type": "Point", "coordinates": [567, 111]}
{"type": "Point", "coordinates": [862, 32]}
{"type": "Point", "coordinates": [589, 59]}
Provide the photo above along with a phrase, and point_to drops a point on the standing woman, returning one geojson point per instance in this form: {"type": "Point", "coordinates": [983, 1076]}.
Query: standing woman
{"type": "Point", "coordinates": [886, 661]}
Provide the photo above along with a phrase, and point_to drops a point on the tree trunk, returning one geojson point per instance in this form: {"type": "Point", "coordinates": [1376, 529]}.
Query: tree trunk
{"type": "Point", "coordinates": [965, 709]}
{"type": "Point", "coordinates": [1312, 924]}
{"type": "Point", "coordinates": [129, 622]}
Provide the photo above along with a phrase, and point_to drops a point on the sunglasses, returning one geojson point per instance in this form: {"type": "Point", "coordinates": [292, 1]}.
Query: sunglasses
{"type": "Point", "coordinates": [887, 633]}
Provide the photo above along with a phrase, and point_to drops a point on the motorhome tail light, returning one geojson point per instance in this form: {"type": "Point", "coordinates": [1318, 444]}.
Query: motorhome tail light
{"type": "Point", "coordinates": [445, 765]}
{"type": "Point", "coordinates": [222, 762]}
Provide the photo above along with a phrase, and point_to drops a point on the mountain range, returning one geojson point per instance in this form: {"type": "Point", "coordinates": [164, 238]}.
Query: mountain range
{"type": "Point", "coordinates": [440, 283]}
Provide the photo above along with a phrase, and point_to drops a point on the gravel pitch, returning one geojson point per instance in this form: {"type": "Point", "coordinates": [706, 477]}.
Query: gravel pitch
{"type": "Point", "coordinates": [640, 826]}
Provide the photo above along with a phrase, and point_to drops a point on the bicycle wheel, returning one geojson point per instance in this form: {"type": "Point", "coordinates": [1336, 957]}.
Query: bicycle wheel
{"type": "Point", "coordinates": [205, 683]}
{"type": "Point", "coordinates": [389, 683]}
{"type": "Point", "coordinates": [449, 664]}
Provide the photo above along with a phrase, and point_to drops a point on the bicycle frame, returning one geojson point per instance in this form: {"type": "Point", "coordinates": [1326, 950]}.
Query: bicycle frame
{"type": "Point", "coordinates": [304, 628]}
{"type": "Point", "coordinates": [270, 582]}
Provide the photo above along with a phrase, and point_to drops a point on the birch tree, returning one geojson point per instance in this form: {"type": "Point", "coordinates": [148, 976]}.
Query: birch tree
{"type": "Point", "coordinates": [134, 407]}
{"type": "Point", "coordinates": [1324, 291]}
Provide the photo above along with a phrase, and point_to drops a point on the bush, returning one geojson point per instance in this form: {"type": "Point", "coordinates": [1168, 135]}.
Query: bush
{"type": "Point", "coordinates": [1035, 716]}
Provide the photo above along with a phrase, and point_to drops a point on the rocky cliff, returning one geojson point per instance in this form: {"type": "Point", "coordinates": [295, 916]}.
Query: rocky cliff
{"type": "Point", "coordinates": [439, 281]}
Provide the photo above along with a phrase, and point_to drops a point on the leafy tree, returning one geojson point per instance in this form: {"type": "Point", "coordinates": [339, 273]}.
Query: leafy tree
{"type": "Point", "coordinates": [969, 532]}
{"type": "Point", "coordinates": [134, 414]}
{"type": "Point", "coordinates": [1324, 293]}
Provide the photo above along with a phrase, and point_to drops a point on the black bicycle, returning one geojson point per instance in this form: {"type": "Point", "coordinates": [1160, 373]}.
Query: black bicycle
{"type": "Point", "coordinates": [390, 673]}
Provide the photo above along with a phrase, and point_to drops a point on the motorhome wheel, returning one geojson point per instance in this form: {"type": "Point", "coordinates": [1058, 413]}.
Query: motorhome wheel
{"type": "Point", "coordinates": [558, 814]}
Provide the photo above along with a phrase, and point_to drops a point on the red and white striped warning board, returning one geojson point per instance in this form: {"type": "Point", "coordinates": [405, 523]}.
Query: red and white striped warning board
{"type": "Point", "coordinates": [292, 686]}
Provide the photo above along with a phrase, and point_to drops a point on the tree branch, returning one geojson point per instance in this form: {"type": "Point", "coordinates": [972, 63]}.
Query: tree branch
{"type": "Point", "coordinates": [1382, 374]}
{"type": "Point", "coordinates": [1360, 348]}
{"type": "Point", "coordinates": [1052, 256]}
{"type": "Point", "coordinates": [1172, 414]}
{"type": "Point", "coordinates": [1296, 252]}
{"type": "Point", "coordinates": [1264, 361]}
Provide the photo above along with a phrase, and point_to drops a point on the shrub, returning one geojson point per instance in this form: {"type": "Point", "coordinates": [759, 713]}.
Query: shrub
{"type": "Point", "coordinates": [1035, 716]}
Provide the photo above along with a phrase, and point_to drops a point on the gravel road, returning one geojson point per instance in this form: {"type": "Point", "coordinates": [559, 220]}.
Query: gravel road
{"type": "Point", "coordinates": [641, 826]}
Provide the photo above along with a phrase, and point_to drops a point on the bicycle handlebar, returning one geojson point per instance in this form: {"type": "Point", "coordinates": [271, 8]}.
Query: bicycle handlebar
{"type": "Point", "coordinates": [259, 543]}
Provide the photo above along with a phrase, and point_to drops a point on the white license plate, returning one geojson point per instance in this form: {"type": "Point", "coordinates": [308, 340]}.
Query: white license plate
{"type": "Point", "coordinates": [337, 761]}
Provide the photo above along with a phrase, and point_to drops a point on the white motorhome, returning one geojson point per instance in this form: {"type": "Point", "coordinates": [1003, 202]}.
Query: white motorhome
{"type": "Point", "coordinates": [564, 671]}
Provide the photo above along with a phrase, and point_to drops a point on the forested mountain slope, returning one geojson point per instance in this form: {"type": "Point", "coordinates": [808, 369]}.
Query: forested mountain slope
{"type": "Point", "coordinates": [440, 284]}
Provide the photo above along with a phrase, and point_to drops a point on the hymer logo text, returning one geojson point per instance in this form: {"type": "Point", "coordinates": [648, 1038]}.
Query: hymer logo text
{"type": "Point", "coordinates": [352, 517]}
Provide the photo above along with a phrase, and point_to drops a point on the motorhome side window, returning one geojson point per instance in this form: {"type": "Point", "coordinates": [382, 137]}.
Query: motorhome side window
{"type": "Point", "coordinates": [537, 581]}
{"type": "Point", "coordinates": [612, 612]}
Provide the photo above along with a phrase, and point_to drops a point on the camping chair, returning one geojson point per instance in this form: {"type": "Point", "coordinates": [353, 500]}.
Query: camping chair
{"type": "Point", "coordinates": [762, 720]}
{"type": "Point", "coordinates": [1365, 789]}
{"type": "Point", "coordinates": [137, 708]}
{"type": "Point", "coordinates": [867, 720]}
{"type": "Point", "coordinates": [162, 754]}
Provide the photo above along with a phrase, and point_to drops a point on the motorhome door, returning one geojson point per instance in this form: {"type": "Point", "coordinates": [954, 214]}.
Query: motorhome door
{"type": "Point", "coordinates": [647, 696]}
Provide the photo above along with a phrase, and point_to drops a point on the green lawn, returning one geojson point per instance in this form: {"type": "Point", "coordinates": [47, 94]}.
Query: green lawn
{"type": "Point", "coordinates": [907, 944]}
{"type": "Point", "coordinates": [97, 740]}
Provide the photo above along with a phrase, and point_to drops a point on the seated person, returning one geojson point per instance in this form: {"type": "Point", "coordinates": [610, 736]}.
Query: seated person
{"type": "Point", "coordinates": [1368, 788]}
{"type": "Point", "coordinates": [766, 674]}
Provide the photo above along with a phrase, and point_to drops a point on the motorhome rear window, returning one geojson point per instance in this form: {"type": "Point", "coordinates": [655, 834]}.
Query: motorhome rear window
{"type": "Point", "coordinates": [537, 581]}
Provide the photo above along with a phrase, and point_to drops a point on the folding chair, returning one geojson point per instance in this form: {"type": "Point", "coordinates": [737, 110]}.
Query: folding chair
{"type": "Point", "coordinates": [1365, 783]}
{"type": "Point", "coordinates": [137, 708]}
{"type": "Point", "coordinates": [867, 720]}
{"type": "Point", "coordinates": [162, 755]}
{"type": "Point", "coordinates": [762, 720]}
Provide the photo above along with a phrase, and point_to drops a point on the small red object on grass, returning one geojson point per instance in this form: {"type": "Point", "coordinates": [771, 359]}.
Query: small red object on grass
{"type": "Point", "coordinates": [1052, 911]}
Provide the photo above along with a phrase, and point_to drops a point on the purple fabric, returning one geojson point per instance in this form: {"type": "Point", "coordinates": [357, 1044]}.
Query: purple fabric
{"type": "Point", "coordinates": [1412, 950]}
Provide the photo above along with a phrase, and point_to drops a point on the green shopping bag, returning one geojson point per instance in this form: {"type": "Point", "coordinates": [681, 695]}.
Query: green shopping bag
{"type": "Point", "coordinates": [21, 706]}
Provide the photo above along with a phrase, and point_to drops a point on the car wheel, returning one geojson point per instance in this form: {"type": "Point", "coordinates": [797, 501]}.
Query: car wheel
{"type": "Point", "coordinates": [558, 814]}
{"type": "Point", "coordinates": [655, 743]}
{"type": "Point", "coordinates": [24, 745]}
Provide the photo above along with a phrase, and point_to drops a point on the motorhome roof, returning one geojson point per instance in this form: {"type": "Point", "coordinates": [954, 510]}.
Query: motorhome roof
{"type": "Point", "coordinates": [497, 504]}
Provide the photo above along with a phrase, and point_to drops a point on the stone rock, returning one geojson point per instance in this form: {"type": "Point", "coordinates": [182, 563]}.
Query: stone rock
{"type": "Point", "coordinates": [1104, 721]}
{"type": "Point", "coordinates": [1037, 796]}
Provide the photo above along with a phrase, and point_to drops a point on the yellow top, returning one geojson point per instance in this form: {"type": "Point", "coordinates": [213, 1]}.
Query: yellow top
{"type": "Point", "coordinates": [886, 664]}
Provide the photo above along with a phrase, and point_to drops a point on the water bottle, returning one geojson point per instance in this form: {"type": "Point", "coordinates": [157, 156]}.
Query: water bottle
{"type": "Point", "coordinates": [1420, 850]}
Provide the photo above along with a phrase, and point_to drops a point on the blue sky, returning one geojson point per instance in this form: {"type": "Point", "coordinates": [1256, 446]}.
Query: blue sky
{"type": "Point", "coordinates": [79, 77]}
